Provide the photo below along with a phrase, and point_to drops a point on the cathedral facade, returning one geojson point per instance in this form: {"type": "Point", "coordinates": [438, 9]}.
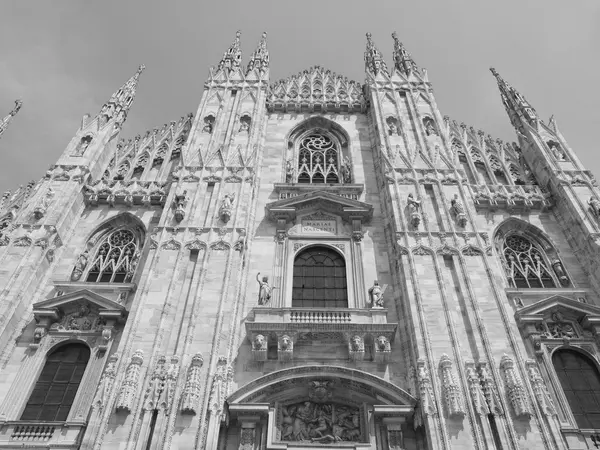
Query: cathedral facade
{"type": "Point", "coordinates": [309, 263]}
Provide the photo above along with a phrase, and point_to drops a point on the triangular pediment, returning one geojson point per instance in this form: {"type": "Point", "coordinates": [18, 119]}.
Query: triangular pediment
{"type": "Point", "coordinates": [325, 202]}
{"type": "Point", "coordinates": [75, 299]}
{"type": "Point", "coordinates": [559, 303]}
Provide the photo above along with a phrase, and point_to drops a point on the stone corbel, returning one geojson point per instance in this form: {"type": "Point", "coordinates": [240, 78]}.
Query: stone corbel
{"type": "Point", "coordinates": [383, 349]}
{"type": "Point", "coordinates": [356, 347]}
{"type": "Point", "coordinates": [529, 327]}
{"type": "Point", "coordinates": [592, 323]}
{"type": "Point", "coordinates": [357, 232]}
{"type": "Point", "coordinates": [393, 417]}
{"type": "Point", "coordinates": [44, 318]}
{"type": "Point", "coordinates": [259, 347]}
{"type": "Point", "coordinates": [281, 231]}
{"type": "Point", "coordinates": [285, 346]}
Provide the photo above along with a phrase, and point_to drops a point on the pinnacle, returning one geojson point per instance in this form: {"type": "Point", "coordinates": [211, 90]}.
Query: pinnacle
{"type": "Point", "coordinates": [4, 122]}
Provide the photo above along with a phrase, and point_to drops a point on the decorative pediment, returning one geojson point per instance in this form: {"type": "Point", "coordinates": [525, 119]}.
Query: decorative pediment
{"type": "Point", "coordinates": [558, 303]}
{"type": "Point", "coordinates": [78, 304]}
{"type": "Point", "coordinates": [326, 202]}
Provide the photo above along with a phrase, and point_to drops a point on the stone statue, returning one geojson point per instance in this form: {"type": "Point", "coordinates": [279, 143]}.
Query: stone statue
{"type": "Point", "coordinates": [393, 128]}
{"type": "Point", "coordinates": [226, 205]}
{"type": "Point", "coordinates": [289, 171]}
{"type": "Point", "coordinates": [376, 295]}
{"type": "Point", "coordinates": [345, 169]}
{"type": "Point", "coordinates": [457, 205]}
{"type": "Point", "coordinates": [264, 289]}
{"type": "Point", "coordinates": [429, 128]}
{"type": "Point", "coordinates": [595, 205]}
{"type": "Point", "coordinates": [80, 265]}
{"type": "Point", "coordinates": [244, 126]}
{"type": "Point", "coordinates": [556, 151]}
{"type": "Point", "coordinates": [208, 125]}
{"type": "Point", "coordinates": [413, 209]}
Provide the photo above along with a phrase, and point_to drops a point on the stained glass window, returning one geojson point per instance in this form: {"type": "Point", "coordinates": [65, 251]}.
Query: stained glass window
{"type": "Point", "coordinates": [580, 381]}
{"type": "Point", "coordinates": [55, 390]}
{"type": "Point", "coordinates": [319, 279]}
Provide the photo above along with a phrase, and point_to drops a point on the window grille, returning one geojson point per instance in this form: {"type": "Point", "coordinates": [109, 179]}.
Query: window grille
{"type": "Point", "coordinates": [580, 381]}
{"type": "Point", "coordinates": [525, 264]}
{"type": "Point", "coordinates": [318, 160]}
{"type": "Point", "coordinates": [319, 279]}
{"type": "Point", "coordinates": [113, 259]}
{"type": "Point", "coordinates": [55, 390]}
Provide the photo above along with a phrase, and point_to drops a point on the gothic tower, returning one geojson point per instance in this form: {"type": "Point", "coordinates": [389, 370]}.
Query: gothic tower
{"type": "Point", "coordinates": [307, 263]}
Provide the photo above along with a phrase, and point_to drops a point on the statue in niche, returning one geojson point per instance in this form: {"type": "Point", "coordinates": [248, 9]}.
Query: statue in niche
{"type": "Point", "coordinates": [289, 171]}
{"type": "Point", "coordinates": [226, 206]}
{"type": "Point", "coordinates": [556, 151]}
{"type": "Point", "coordinates": [209, 122]}
{"type": "Point", "coordinates": [345, 170]}
{"type": "Point", "coordinates": [459, 210]}
{"type": "Point", "coordinates": [376, 295]}
{"type": "Point", "coordinates": [264, 290]}
{"type": "Point", "coordinates": [80, 265]}
{"type": "Point", "coordinates": [560, 272]}
{"type": "Point", "coordinates": [430, 128]}
{"type": "Point", "coordinates": [244, 125]}
{"type": "Point", "coordinates": [83, 145]}
{"type": "Point", "coordinates": [413, 209]}
{"type": "Point", "coordinates": [180, 200]}
{"type": "Point", "coordinates": [393, 129]}
{"type": "Point", "coordinates": [595, 205]}
{"type": "Point", "coordinates": [321, 423]}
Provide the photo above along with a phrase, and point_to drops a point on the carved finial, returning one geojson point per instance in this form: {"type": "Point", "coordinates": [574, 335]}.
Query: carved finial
{"type": "Point", "coordinates": [516, 106]}
{"type": "Point", "coordinates": [120, 102]}
{"type": "Point", "coordinates": [233, 56]}
{"type": "Point", "coordinates": [374, 61]}
{"type": "Point", "coordinates": [402, 59]}
{"type": "Point", "coordinates": [4, 122]}
{"type": "Point", "coordinates": [260, 58]}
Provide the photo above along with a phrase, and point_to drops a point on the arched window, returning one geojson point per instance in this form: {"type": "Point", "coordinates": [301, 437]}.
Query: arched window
{"type": "Point", "coordinates": [580, 381]}
{"type": "Point", "coordinates": [525, 263]}
{"type": "Point", "coordinates": [115, 258]}
{"type": "Point", "coordinates": [55, 390]}
{"type": "Point", "coordinates": [318, 160]}
{"type": "Point", "coordinates": [319, 279]}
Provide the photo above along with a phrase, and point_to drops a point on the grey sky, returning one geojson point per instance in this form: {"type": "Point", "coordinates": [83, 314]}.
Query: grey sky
{"type": "Point", "coordinates": [65, 58]}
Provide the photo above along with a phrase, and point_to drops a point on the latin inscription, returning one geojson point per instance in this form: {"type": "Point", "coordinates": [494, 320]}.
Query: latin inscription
{"type": "Point", "coordinates": [319, 226]}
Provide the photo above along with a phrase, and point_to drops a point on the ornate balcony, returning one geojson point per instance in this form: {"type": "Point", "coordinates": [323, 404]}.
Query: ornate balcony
{"type": "Point", "coordinates": [352, 333]}
{"type": "Point", "coordinates": [40, 434]}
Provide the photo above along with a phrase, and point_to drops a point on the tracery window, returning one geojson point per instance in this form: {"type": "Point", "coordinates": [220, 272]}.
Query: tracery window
{"type": "Point", "coordinates": [580, 381]}
{"type": "Point", "coordinates": [319, 279]}
{"type": "Point", "coordinates": [525, 263]}
{"type": "Point", "coordinates": [115, 258]}
{"type": "Point", "coordinates": [55, 390]}
{"type": "Point", "coordinates": [318, 160]}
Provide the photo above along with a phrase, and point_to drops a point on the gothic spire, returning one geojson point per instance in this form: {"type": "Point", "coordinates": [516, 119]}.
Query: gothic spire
{"type": "Point", "coordinates": [517, 107]}
{"type": "Point", "coordinates": [120, 102]}
{"type": "Point", "coordinates": [402, 59]}
{"type": "Point", "coordinates": [233, 56]}
{"type": "Point", "coordinates": [4, 122]}
{"type": "Point", "coordinates": [374, 61]}
{"type": "Point", "coordinates": [260, 58]}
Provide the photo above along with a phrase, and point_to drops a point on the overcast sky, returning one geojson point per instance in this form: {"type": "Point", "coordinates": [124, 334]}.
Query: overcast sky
{"type": "Point", "coordinates": [65, 58]}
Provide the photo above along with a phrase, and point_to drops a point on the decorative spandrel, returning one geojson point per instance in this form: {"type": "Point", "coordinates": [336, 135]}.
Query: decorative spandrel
{"type": "Point", "coordinates": [319, 423]}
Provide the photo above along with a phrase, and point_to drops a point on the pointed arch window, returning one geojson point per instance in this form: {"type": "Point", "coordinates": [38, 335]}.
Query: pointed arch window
{"type": "Point", "coordinates": [57, 385]}
{"type": "Point", "coordinates": [318, 159]}
{"type": "Point", "coordinates": [115, 257]}
{"type": "Point", "coordinates": [580, 382]}
{"type": "Point", "coordinates": [525, 263]}
{"type": "Point", "coordinates": [319, 279]}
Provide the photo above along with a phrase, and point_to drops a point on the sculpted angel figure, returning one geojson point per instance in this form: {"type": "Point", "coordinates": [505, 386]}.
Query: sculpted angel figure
{"type": "Point", "coordinates": [264, 289]}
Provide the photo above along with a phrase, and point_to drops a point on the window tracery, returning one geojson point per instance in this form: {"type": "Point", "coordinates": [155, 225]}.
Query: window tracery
{"type": "Point", "coordinates": [525, 263]}
{"type": "Point", "coordinates": [319, 279]}
{"type": "Point", "coordinates": [318, 159]}
{"type": "Point", "coordinates": [115, 259]}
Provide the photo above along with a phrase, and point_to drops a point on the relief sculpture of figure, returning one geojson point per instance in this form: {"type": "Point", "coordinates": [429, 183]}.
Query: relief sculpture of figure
{"type": "Point", "coordinates": [264, 289]}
